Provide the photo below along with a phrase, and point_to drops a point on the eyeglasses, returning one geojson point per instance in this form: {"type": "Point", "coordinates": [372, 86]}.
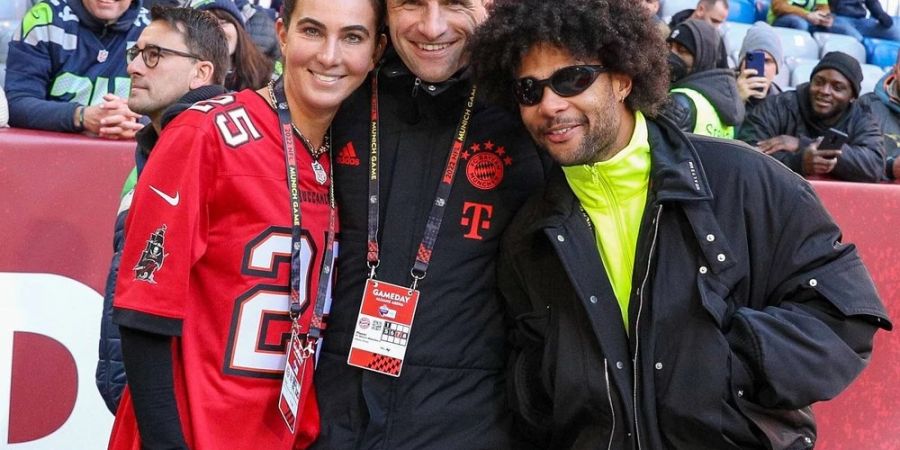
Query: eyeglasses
{"type": "Point", "coordinates": [151, 53]}
{"type": "Point", "coordinates": [565, 82]}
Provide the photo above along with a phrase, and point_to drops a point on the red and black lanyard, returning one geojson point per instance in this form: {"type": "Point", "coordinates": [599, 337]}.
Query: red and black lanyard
{"type": "Point", "coordinates": [317, 324]}
{"type": "Point", "coordinates": [433, 226]}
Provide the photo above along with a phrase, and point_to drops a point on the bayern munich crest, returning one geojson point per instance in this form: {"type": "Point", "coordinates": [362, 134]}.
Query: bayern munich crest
{"type": "Point", "coordinates": [486, 163]}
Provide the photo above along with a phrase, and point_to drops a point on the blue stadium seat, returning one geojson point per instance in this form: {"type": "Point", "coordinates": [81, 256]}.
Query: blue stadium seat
{"type": "Point", "coordinates": [13, 10]}
{"type": "Point", "coordinates": [797, 43]}
{"type": "Point", "coordinates": [801, 68]}
{"type": "Point", "coordinates": [743, 11]}
{"type": "Point", "coordinates": [670, 7]}
{"type": "Point", "coordinates": [871, 75]}
{"type": "Point", "coordinates": [734, 37]}
{"type": "Point", "coordinates": [830, 42]}
{"type": "Point", "coordinates": [881, 52]}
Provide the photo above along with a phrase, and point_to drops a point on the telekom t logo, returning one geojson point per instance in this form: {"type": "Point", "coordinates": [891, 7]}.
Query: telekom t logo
{"type": "Point", "coordinates": [479, 219]}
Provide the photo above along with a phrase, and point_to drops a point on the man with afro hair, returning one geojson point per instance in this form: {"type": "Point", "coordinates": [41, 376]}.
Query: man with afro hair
{"type": "Point", "coordinates": [665, 290]}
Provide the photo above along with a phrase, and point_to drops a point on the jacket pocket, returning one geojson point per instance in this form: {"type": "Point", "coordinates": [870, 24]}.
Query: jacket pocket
{"type": "Point", "coordinates": [528, 395]}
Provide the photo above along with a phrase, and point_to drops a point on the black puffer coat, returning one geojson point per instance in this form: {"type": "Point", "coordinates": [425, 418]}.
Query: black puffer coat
{"type": "Point", "coordinates": [746, 309]}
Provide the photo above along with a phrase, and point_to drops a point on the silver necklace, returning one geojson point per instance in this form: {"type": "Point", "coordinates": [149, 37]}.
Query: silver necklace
{"type": "Point", "coordinates": [318, 170]}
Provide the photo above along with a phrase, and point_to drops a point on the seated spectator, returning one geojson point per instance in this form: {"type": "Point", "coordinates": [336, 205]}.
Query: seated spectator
{"type": "Point", "coordinates": [249, 67]}
{"type": "Point", "coordinates": [755, 87]}
{"type": "Point", "coordinates": [652, 8]}
{"type": "Point", "coordinates": [260, 25]}
{"type": "Point", "coordinates": [806, 15]}
{"type": "Point", "coordinates": [884, 104]}
{"type": "Point", "coordinates": [66, 66]}
{"type": "Point", "coordinates": [713, 12]}
{"type": "Point", "coordinates": [705, 99]}
{"type": "Point", "coordinates": [853, 14]}
{"type": "Point", "coordinates": [789, 126]}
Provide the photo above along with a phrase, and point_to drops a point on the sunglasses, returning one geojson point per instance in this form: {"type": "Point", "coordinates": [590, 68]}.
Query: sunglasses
{"type": "Point", "coordinates": [565, 82]}
{"type": "Point", "coordinates": [151, 54]}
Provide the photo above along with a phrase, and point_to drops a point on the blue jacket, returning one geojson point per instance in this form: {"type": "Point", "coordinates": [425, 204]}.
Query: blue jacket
{"type": "Point", "coordinates": [62, 57]}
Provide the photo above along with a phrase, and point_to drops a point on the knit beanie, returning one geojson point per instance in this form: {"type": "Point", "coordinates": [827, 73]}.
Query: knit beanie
{"type": "Point", "coordinates": [761, 37]}
{"type": "Point", "coordinates": [225, 5]}
{"type": "Point", "coordinates": [683, 35]}
{"type": "Point", "coordinates": [843, 63]}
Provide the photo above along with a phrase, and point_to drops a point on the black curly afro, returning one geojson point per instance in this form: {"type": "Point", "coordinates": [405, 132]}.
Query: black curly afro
{"type": "Point", "coordinates": [617, 32]}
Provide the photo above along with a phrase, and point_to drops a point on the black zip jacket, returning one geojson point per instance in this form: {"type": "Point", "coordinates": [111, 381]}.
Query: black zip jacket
{"type": "Point", "coordinates": [451, 391]}
{"type": "Point", "coordinates": [790, 113]}
{"type": "Point", "coordinates": [746, 309]}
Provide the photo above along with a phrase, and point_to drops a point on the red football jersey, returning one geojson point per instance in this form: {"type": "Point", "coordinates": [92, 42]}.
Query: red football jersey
{"type": "Point", "coordinates": [208, 249]}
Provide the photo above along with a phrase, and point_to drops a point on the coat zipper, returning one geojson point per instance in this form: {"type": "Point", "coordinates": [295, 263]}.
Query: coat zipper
{"type": "Point", "coordinates": [612, 409]}
{"type": "Point", "coordinates": [416, 84]}
{"type": "Point", "coordinates": [637, 324]}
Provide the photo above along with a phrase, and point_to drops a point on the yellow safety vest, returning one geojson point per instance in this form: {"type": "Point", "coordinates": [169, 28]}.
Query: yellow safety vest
{"type": "Point", "coordinates": [707, 121]}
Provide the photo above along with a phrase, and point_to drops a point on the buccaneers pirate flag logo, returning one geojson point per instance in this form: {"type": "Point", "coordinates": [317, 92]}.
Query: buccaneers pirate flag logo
{"type": "Point", "coordinates": [152, 257]}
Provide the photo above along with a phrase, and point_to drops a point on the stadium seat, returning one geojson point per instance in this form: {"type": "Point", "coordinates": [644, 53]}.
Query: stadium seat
{"type": "Point", "coordinates": [871, 75]}
{"type": "Point", "coordinates": [830, 42]}
{"type": "Point", "coordinates": [743, 11]}
{"type": "Point", "coordinates": [797, 43]}
{"type": "Point", "coordinates": [734, 37]}
{"type": "Point", "coordinates": [13, 10]}
{"type": "Point", "coordinates": [881, 52]}
{"type": "Point", "coordinates": [670, 7]}
{"type": "Point", "coordinates": [801, 68]}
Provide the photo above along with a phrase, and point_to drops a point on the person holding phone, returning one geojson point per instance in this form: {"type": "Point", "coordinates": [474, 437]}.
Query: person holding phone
{"type": "Point", "coordinates": [791, 126]}
{"type": "Point", "coordinates": [761, 60]}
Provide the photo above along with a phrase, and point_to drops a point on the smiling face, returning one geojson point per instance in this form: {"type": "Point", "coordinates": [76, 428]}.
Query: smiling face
{"type": "Point", "coordinates": [829, 94]}
{"type": "Point", "coordinates": [581, 129]}
{"type": "Point", "coordinates": [329, 48]}
{"type": "Point", "coordinates": [107, 10]}
{"type": "Point", "coordinates": [431, 35]}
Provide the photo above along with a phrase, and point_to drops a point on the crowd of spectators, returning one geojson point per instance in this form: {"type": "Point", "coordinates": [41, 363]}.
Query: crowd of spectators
{"type": "Point", "coordinates": [66, 72]}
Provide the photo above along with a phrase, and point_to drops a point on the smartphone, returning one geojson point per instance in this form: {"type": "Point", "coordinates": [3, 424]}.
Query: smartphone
{"type": "Point", "coordinates": [834, 139]}
{"type": "Point", "coordinates": [756, 60]}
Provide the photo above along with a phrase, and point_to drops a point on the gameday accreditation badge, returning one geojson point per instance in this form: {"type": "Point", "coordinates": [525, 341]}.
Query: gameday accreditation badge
{"type": "Point", "coordinates": [289, 401]}
{"type": "Point", "coordinates": [382, 327]}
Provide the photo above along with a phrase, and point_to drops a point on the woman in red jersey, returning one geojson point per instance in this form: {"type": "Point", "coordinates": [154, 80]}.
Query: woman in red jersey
{"type": "Point", "coordinates": [230, 243]}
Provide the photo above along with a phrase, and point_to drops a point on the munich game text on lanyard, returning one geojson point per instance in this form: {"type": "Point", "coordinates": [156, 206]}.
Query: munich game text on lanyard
{"type": "Point", "coordinates": [387, 310]}
{"type": "Point", "coordinates": [300, 349]}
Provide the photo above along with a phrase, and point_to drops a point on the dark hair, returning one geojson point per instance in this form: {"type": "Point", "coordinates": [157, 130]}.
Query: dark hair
{"type": "Point", "coordinates": [617, 32]}
{"type": "Point", "coordinates": [249, 67]}
{"type": "Point", "coordinates": [287, 10]}
{"type": "Point", "coordinates": [202, 35]}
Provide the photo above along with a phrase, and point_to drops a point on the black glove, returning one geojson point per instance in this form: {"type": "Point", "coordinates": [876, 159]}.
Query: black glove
{"type": "Point", "coordinates": [885, 20]}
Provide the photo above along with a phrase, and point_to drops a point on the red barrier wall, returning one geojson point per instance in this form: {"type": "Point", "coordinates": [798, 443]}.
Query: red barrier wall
{"type": "Point", "coordinates": [59, 194]}
{"type": "Point", "coordinates": [867, 415]}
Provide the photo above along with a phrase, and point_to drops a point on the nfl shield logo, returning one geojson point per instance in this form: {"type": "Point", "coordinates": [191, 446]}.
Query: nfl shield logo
{"type": "Point", "coordinates": [102, 55]}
